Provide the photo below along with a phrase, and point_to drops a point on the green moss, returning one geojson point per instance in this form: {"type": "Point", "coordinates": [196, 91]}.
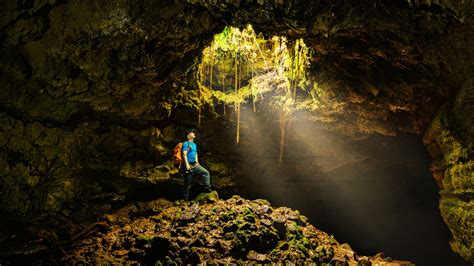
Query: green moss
{"type": "Point", "coordinates": [461, 249]}
{"type": "Point", "coordinates": [145, 237]}
{"type": "Point", "coordinates": [460, 176]}
{"type": "Point", "coordinates": [451, 132]}
{"type": "Point", "coordinates": [229, 235]}
{"type": "Point", "coordinates": [295, 231]}
{"type": "Point", "coordinates": [227, 215]}
{"type": "Point", "coordinates": [306, 242]}
{"type": "Point", "coordinates": [459, 216]}
{"type": "Point", "coordinates": [324, 253]}
{"type": "Point", "coordinates": [204, 198]}
{"type": "Point", "coordinates": [249, 215]}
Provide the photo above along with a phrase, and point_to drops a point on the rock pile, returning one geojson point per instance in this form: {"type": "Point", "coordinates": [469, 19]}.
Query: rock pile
{"type": "Point", "coordinates": [210, 230]}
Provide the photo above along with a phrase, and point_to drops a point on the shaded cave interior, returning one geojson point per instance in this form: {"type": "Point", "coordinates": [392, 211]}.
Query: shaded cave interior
{"type": "Point", "coordinates": [360, 161]}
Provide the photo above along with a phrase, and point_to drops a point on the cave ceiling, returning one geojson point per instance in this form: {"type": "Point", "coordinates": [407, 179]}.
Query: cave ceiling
{"type": "Point", "coordinates": [384, 67]}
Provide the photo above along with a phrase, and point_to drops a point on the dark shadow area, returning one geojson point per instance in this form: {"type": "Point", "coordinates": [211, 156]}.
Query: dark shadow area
{"type": "Point", "coordinates": [377, 193]}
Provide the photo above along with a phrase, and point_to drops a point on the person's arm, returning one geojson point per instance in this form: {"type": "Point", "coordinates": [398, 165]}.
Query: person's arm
{"type": "Point", "coordinates": [185, 153]}
{"type": "Point", "coordinates": [197, 161]}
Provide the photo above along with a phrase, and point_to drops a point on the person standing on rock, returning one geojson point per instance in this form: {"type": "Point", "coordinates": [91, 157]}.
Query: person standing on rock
{"type": "Point", "coordinates": [191, 165]}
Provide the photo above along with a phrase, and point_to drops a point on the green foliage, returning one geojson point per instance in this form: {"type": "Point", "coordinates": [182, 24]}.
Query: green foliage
{"type": "Point", "coordinates": [240, 65]}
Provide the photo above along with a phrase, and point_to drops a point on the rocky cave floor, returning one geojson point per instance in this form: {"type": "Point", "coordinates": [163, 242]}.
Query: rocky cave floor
{"type": "Point", "coordinates": [147, 230]}
{"type": "Point", "coordinates": [210, 230]}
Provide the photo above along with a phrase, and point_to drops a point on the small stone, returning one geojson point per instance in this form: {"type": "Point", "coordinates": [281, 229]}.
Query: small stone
{"type": "Point", "coordinates": [229, 235]}
{"type": "Point", "coordinates": [252, 255]}
{"type": "Point", "coordinates": [121, 252]}
{"type": "Point", "coordinates": [111, 218]}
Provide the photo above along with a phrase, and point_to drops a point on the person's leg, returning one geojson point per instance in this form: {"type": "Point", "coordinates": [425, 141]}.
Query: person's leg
{"type": "Point", "coordinates": [199, 170]}
{"type": "Point", "coordinates": [188, 176]}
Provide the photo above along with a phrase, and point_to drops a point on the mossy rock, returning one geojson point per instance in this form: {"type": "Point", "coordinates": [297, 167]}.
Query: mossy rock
{"type": "Point", "coordinates": [459, 216]}
{"type": "Point", "coordinates": [205, 198]}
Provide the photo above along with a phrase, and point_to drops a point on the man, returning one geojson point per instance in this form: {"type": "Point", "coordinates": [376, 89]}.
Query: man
{"type": "Point", "coordinates": [191, 165]}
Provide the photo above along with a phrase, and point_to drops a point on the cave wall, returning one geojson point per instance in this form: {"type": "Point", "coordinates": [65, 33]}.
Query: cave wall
{"type": "Point", "coordinates": [89, 87]}
{"type": "Point", "coordinates": [83, 96]}
{"type": "Point", "coordinates": [449, 141]}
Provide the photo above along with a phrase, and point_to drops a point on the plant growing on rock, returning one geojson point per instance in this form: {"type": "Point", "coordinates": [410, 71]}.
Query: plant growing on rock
{"type": "Point", "coordinates": [255, 67]}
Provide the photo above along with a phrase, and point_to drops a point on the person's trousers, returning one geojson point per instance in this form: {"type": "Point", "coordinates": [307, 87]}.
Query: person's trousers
{"type": "Point", "coordinates": [188, 177]}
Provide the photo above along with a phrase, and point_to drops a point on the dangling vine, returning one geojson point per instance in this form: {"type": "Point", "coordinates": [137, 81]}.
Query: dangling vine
{"type": "Point", "coordinates": [256, 67]}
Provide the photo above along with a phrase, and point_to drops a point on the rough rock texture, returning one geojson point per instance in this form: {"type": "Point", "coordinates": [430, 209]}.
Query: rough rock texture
{"type": "Point", "coordinates": [216, 231]}
{"type": "Point", "coordinates": [382, 67]}
{"type": "Point", "coordinates": [450, 141]}
{"type": "Point", "coordinates": [90, 88]}
{"type": "Point", "coordinates": [83, 102]}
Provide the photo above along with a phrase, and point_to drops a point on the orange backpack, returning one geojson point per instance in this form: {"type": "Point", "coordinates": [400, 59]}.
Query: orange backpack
{"type": "Point", "coordinates": [178, 155]}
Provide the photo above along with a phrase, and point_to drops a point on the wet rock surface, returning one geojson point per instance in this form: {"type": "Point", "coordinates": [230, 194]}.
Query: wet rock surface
{"type": "Point", "coordinates": [210, 230]}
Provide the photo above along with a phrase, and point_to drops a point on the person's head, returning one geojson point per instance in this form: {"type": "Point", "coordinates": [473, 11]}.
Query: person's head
{"type": "Point", "coordinates": [191, 134]}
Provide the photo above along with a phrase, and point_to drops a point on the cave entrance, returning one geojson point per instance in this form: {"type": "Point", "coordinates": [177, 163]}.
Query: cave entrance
{"type": "Point", "coordinates": [272, 129]}
{"type": "Point", "coordinates": [240, 67]}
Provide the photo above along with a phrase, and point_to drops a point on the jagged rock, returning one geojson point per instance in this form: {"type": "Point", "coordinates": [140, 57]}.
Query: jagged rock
{"type": "Point", "coordinates": [204, 237]}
